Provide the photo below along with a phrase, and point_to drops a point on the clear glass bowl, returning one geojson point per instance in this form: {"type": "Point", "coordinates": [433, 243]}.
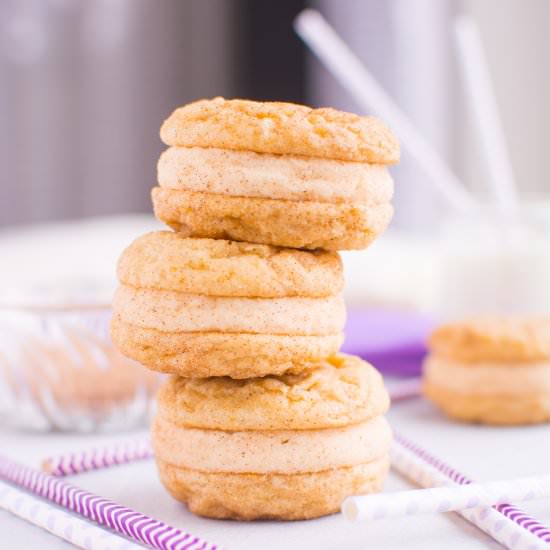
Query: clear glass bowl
{"type": "Point", "coordinates": [60, 371]}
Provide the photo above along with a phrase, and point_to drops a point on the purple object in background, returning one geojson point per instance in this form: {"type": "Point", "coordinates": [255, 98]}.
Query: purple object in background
{"type": "Point", "coordinates": [394, 341]}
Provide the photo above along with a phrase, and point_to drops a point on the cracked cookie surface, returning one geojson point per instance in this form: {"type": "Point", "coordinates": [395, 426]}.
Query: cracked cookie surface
{"type": "Point", "coordinates": [281, 128]}
{"type": "Point", "coordinates": [336, 391]}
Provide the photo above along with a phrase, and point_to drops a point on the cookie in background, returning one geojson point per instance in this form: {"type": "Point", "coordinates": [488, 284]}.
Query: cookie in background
{"type": "Point", "coordinates": [493, 370]}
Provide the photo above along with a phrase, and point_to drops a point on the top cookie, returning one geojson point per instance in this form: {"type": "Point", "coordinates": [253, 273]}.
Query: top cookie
{"type": "Point", "coordinates": [338, 391]}
{"type": "Point", "coordinates": [496, 339]}
{"type": "Point", "coordinates": [281, 129]}
{"type": "Point", "coordinates": [165, 260]}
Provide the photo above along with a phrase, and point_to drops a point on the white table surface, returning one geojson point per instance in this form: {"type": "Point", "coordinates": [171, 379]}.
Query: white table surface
{"type": "Point", "coordinates": [480, 452]}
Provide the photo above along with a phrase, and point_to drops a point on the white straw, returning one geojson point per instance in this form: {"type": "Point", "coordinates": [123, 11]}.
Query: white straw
{"type": "Point", "coordinates": [60, 523]}
{"type": "Point", "coordinates": [445, 499]}
{"type": "Point", "coordinates": [355, 78]}
{"type": "Point", "coordinates": [506, 524]}
{"type": "Point", "coordinates": [477, 78]}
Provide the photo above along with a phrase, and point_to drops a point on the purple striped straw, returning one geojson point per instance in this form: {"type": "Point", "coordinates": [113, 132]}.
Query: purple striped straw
{"type": "Point", "coordinates": [125, 521]}
{"type": "Point", "coordinates": [513, 513]}
{"type": "Point", "coordinates": [97, 458]}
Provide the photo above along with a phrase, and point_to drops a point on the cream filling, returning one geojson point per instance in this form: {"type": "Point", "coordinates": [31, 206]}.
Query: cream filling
{"type": "Point", "coordinates": [178, 312]}
{"type": "Point", "coordinates": [249, 174]}
{"type": "Point", "coordinates": [488, 378]}
{"type": "Point", "coordinates": [271, 451]}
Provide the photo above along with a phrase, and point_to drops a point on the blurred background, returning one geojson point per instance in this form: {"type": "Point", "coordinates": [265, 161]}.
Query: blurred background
{"type": "Point", "coordinates": [86, 85]}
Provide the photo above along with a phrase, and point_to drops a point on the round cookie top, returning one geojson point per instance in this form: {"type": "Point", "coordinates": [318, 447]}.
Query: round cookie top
{"type": "Point", "coordinates": [165, 260]}
{"type": "Point", "coordinates": [493, 339]}
{"type": "Point", "coordinates": [281, 129]}
{"type": "Point", "coordinates": [338, 391]}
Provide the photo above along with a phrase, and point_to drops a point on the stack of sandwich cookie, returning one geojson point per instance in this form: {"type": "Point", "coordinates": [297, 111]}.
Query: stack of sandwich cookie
{"type": "Point", "coordinates": [491, 370]}
{"type": "Point", "coordinates": [262, 418]}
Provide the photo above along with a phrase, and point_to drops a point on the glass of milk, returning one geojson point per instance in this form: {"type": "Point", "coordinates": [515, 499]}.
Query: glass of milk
{"type": "Point", "coordinates": [491, 264]}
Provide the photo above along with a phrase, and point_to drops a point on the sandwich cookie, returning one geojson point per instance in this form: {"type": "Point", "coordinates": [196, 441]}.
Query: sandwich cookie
{"type": "Point", "coordinates": [279, 447]}
{"type": "Point", "coordinates": [203, 307]}
{"type": "Point", "coordinates": [275, 173]}
{"type": "Point", "coordinates": [491, 370]}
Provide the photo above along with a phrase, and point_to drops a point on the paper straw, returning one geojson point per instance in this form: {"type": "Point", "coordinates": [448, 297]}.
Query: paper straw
{"type": "Point", "coordinates": [444, 499]}
{"type": "Point", "coordinates": [346, 67]}
{"type": "Point", "coordinates": [78, 532]}
{"type": "Point", "coordinates": [406, 389]}
{"type": "Point", "coordinates": [125, 521]}
{"type": "Point", "coordinates": [97, 458]}
{"type": "Point", "coordinates": [504, 522]}
{"type": "Point", "coordinates": [475, 71]}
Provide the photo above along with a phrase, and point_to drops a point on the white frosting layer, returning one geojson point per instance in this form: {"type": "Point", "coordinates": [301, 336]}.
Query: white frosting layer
{"type": "Point", "coordinates": [177, 312]}
{"type": "Point", "coordinates": [275, 452]}
{"type": "Point", "coordinates": [249, 174]}
{"type": "Point", "coordinates": [488, 378]}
